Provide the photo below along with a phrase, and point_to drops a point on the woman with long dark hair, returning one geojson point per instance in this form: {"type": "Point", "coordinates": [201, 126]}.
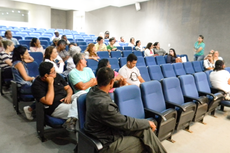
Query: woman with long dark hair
{"type": "Point", "coordinates": [171, 58]}
{"type": "Point", "coordinates": [149, 49]}
{"type": "Point", "coordinates": [158, 50]}
{"type": "Point", "coordinates": [35, 46]}
{"type": "Point", "coordinates": [138, 46]}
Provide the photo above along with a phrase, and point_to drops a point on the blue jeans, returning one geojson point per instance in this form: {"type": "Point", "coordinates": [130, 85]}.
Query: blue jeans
{"type": "Point", "coordinates": [198, 57]}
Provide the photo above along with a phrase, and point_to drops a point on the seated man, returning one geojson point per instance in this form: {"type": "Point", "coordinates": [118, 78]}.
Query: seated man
{"type": "Point", "coordinates": [53, 91]}
{"type": "Point", "coordinates": [117, 132]}
{"type": "Point", "coordinates": [61, 50]}
{"type": "Point", "coordinates": [130, 72]}
{"type": "Point", "coordinates": [8, 35]}
{"type": "Point", "coordinates": [81, 77]}
{"type": "Point", "coordinates": [63, 37]}
{"type": "Point", "coordinates": [56, 35]}
{"type": "Point", "coordinates": [209, 63]}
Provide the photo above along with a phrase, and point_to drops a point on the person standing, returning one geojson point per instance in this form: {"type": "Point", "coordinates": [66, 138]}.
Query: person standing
{"type": "Point", "coordinates": [199, 47]}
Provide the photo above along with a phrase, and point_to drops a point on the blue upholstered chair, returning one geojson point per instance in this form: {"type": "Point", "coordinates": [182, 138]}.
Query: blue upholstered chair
{"type": "Point", "coordinates": [103, 54]}
{"type": "Point", "coordinates": [144, 73]}
{"type": "Point", "coordinates": [167, 70]}
{"type": "Point", "coordinates": [179, 69]}
{"type": "Point", "coordinates": [114, 64]}
{"type": "Point", "coordinates": [155, 72]}
{"type": "Point", "coordinates": [197, 67]}
{"type": "Point", "coordinates": [150, 60]}
{"type": "Point", "coordinates": [188, 68]}
{"type": "Point", "coordinates": [115, 54]}
{"type": "Point", "coordinates": [160, 60]}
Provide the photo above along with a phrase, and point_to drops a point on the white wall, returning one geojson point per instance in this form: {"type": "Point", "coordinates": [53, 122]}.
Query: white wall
{"type": "Point", "coordinates": [39, 15]}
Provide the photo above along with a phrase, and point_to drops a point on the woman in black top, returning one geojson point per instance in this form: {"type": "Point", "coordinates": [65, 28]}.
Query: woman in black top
{"type": "Point", "coordinates": [171, 58]}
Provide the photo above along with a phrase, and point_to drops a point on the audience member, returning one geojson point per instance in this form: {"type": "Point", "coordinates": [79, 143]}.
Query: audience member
{"type": "Point", "coordinates": [216, 56]}
{"type": "Point", "coordinates": [111, 46]}
{"type": "Point", "coordinates": [20, 72]}
{"type": "Point", "coordinates": [130, 72]}
{"type": "Point", "coordinates": [8, 35]}
{"type": "Point", "coordinates": [158, 50]}
{"type": "Point", "coordinates": [131, 42]}
{"type": "Point", "coordinates": [63, 37]}
{"type": "Point", "coordinates": [106, 35]}
{"type": "Point", "coordinates": [35, 46]}
{"type": "Point", "coordinates": [81, 77]}
{"type": "Point", "coordinates": [138, 46]}
{"type": "Point", "coordinates": [100, 46]}
{"type": "Point", "coordinates": [1, 45]}
{"type": "Point", "coordinates": [55, 42]}
{"type": "Point", "coordinates": [53, 91]}
{"type": "Point", "coordinates": [172, 57]}
{"type": "Point", "coordinates": [122, 39]}
{"type": "Point", "coordinates": [52, 56]}
{"type": "Point", "coordinates": [149, 49]}
{"type": "Point", "coordinates": [211, 51]}
{"type": "Point", "coordinates": [116, 42]}
{"type": "Point", "coordinates": [220, 78]}
{"type": "Point", "coordinates": [209, 63]}
{"type": "Point", "coordinates": [56, 35]}
{"type": "Point", "coordinates": [199, 47]}
{"type": "Point", "coordinates": [117, 132]}
{"type": "Point", "coordinates": [61, 45]}
{"type": "Point", "coordinates": [90, 52]}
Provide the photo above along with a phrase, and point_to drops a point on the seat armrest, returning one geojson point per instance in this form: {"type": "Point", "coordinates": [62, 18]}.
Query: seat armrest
{"type": "Point", "coordinates": [89, 140]}
{"type": "Point", "coordinates": [219, 95]}
{"type": "Point", "coordinates": [152, 113]}
{"type": "Point", "coordinates": [173, 105]}
{"type": "Point", "coordinates": [201, 93]}
{"type": "Point", "coordinates": [16, 83]}
{"type": "Point", "coordinates": [214, 90]}
{"type": "Point", "coordinates": [192, 98]}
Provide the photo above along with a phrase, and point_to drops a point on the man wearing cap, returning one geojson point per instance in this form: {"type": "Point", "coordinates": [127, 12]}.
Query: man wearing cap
{"type": "Point", "coordinates": [106, 35]}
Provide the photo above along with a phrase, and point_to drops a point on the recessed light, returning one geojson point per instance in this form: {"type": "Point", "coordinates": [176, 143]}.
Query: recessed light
{"type": "Point", "coordinates": [2, 13]}
{"type": "Point", "coordinates": [7, 13]}
{"type": "Point", "coordinates": [22, 14]}
{"type": "Point", "coordinates": [18, 11]}
{"type": "Point", "coordinates": [13, 11]}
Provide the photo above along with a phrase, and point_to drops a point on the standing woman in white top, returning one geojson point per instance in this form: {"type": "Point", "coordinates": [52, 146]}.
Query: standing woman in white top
{"type": "Point", "coordinates": [220, 78]}
{"type": "Point", "coordinates": [149, 49]}
{"type": "Point", "coordinates": [51, 55]}
{"type": "Point", "coordinates": [216, 56]}
{"type": "Point", "coordinates": [132, 42]}
{"type": "Point", "coordinates": [138, 46]}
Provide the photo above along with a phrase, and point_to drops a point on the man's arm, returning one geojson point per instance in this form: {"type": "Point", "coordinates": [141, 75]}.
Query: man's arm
{"type": "Point", "coordinates": [141, 79]}
{"type": "Point", "coordinates": [69, 91]}
{"type": "Point", "coordinates": [84, 86]}
{"type": "Point", "coordinates": [48, 99]}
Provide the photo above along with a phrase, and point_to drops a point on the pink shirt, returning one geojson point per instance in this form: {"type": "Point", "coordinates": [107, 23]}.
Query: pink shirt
{"type": "Point", "coordinates": [115, 74]}
{"type": "Point", "coordinates": [36, 49]}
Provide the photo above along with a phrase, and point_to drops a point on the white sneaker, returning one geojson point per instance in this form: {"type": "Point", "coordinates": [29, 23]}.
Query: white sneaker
{"type": "Point", "coordinates": [28, 113]}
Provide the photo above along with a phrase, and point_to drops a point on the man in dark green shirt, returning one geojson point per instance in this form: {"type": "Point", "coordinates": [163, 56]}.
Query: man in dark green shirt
{"type": "Point", "coordinates": [117, 132]}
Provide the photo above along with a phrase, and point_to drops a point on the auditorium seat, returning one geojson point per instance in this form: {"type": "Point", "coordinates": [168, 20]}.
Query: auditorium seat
{"type": "Point", "coordinates": [92, 64]}
{"type": "Point", "coordinates": [167, 70]}
{"type": "Point", "coordinates": [83, 47]}
{"type": "Point", "coordinates": [196, 65]}
{"type": "Point", "coordinates": [228, 69]}
{"type": "Point", "coordinates": [34, 34]}
{"type": "Point", "coordinates": [184, 55]}
{"type": "Point", "coordinates": [44, 38]}
{"type": "Point", "coordinates": [38, 57]}
{"type": "Point", "coordinates": [77, 40]}
{"type": "Point", "coordinates": [44, 43]}
{"type": "Point", "coordinates": [140, 61]}
{"type": "Point", "coordinates": [155, 72]}
{"type": "Point", "coordinates": [153, 99]}
{"type": "Point", "coordinates": [81, 43]}
{"type": "Point", "coordinates": [122, 61]}
{"type": "Point", "coordinates": [2, 80]}
{"type": "Point", "coordinates": [190, 92]}
{"type": "Point", "coordinates": [188, 68]}
{"type": "Point", "coordinates": [116, 54]}
{"type": "Point", "coordinates": [33, 69]}
{"type": "Point", "coordinates": [127, 48]}
{"type": "Point", "coordinates": [89, 40]}
{"type": "Point", "coordinates": [179, 69]}
{"type": "Point", "coordinates": [103, 54]}
{"type": "Point", "coordinates": [160, 60]}
{"type": "Point", "coordinates": [202, 65]}
{"type": "Point", "coordinates": [23, 34]}
{"type": "Point", "coordinates": [29, 38]}
{"type": "Point", "coordinates": [137, 53]}
{"type": "Point", "coordinates": [39, 32]}
{"type": "Point", "coordinates": [150, 60]}
{"type": "Point", "coordinates": [120, 48]}
{"type": "Point", "coordinates": [144, 73]}
{"type": "Point", "coordinates": [18, 37]}
{"type": "Point", "coordinates": [174, 99]}
{"type": "Point", "coordinates": [126, 53]}
{"type": "Point", "coordinates": [114, 64]}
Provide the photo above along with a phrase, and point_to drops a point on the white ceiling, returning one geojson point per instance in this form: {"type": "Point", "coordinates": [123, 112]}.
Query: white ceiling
{"type": "Point", "coordinates": [83, 5]}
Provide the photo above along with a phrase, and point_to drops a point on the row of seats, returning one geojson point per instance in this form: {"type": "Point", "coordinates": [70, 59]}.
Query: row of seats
{"type": "Point", "coordinates": [174, 103]}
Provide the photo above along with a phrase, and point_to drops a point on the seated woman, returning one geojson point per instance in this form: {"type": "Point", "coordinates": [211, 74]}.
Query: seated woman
{"type": "Point", "coordinates": [220, 78]}
{"type": "Point", "coordinates": [100, 46]}
{"type": "Point", "coordinates": [149, 49]}
{"type": "Point", "coordinates": [35, 46]}
{"type": "Point", "coordinates": [216, 56]}
{"type": "Point", "coordinates": [158, 50]}
{"type": "Point", "coordinates": [131, 42]}
{"type": "Point", "coordinates": [6, 61]}
{"type": "Point", "coordinates": [118, 79]}
{"type": "Point", "coordinates": [209, 63]}
{"type": "Point", "coordinates": [20, 72]}
{"type": "Point", "coordinates": [52, 56]}
{"type": "Point", "coordinates": [90, 52]}
{"type": "Point", "coordinates": [172, 58]}
{"type": "Point", "coordinates": [138, 46]}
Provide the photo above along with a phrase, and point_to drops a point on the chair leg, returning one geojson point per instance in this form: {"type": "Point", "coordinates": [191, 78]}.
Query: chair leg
{"type": "Point", "coordinates": [15, 97]}
{"type": "Point", "coordinates": [222, 108]}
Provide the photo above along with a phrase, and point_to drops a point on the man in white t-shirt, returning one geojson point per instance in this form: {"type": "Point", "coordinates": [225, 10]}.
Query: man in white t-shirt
{"type": "Point", "coordinates": [208, 63]}
{"type": "Point", "coordinates": [130, 72]}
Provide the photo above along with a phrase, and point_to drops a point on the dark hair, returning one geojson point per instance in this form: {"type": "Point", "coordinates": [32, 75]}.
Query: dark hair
{"type": "Point", "coordinates": [131, 39]}
{"type": "Point", "coordinates": [33, 41]}
{"type": "Point", "coordinates": [72, 43]}
{"type": "Point", "coordinates": [6, 32]}
{"type": "Point", "coordinates": [99, 38]}
{"type": "Point", "coordinates": [149, 45]}
{"type": "Point", "coordinates": [48, 52]}
{"type": "Point", "coordinates": [44, 68]}
{"type": "Point", "coordinates": [107, 32]}
{"type": "Point", "coordinates": [155, 44]}
{"type": "Point", "coordinates": [63, 42]}
{"type": "Point", "coordinates": [219, 65]}
{"type": "Point", "coordinates": [111, 39]}
{"type": "Point", "coordinates": [201, 36]}
{"type": "Point", "coordinates": [104, 76]}
{"type": "Point", "coordinates": [102, 63]}
{"type": "Point", "coordinates": [62, 37]}
{"type": "Point", "coordinates": [137, 42]}
{"type": "Point", "coordinates": [18, 52]}
{"type": "Point", "coordinates": [76, 58]}
{"type": "Point", "coordinates": [131, 57]}
{"type": "Point", "coordinates": [173, 52]}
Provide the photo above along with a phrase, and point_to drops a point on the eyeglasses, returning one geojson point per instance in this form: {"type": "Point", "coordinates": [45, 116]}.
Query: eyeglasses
{"type": "Point", "coordinates": [83, 58]}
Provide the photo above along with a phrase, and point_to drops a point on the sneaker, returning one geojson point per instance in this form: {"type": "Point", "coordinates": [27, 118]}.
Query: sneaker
{"type": "Point", "coordinates": [70, 123]}
{"type": "Point", "coordinates": [28, 113]}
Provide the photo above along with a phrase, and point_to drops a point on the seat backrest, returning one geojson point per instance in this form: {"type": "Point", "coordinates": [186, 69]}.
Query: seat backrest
{"type": "Point", "coordinates": [128, 99]}
{"type": "Point", "coordinates": [182, 55]}
{"type": "Point", "coordinates": [44, 42]}
{"type": "Point", "coordinates": [122, 61]}
{"type": "Point", "coordinates": [167, 70]}
{"type": "Point", "coordinates": [140, 61]}
{"type": "Point", "coordinates": [25, 42]}
{"type": "Point", "coordinates": [144, 72]}
{"type": "Point", "coordinates": [179, 69]}
{"type": "Point", "coordinates": [81, 43]}
{"type": "Point", "coordinates": [33, 69]}
{"type": "Point", "coordinates": [120, 48]}
{"type": "Point", "coordinates": [188, 86]}
{"type": "Point", "coordinates": [83, 47]}
{"type": "Point", "coordinates": [172, 90]}
{"type": "Point", "coordinates": [137, 53]}
{"type": "Point", "coordinates": [155, 72]}
{"type": "Point", "coordinates": [38, 57]}
{"type": "Point", "coordinates": [92, 64]}
{"type": "Point", "coordinates": [160, 60]}
{"type": "Point", "coordinates": [207, 75]}
{"type": "Point", "coordinates": [116, 54]}
{"type": "Point", "coordinates": [103, 54]}
{"type": "Point", "coordinates": [114, 63]}
{"type": "Point", "coordinates": [81, 108]}
{"type": "Point", "coordinates": [152, 96]}
{"type": "Point", "coordinates": [188, 68]}
{"type": "Point", "coordinates": [202, 65]}
{"type": "Point", "coordinates": [127, 48]}
{"type": "Point", "coordinates": [44, 38]}
{"type": "Point", "coordinates": [17, 37]}
{"type": "Point", "coordinates": [150, 60]}
{"type": "Point", "coordinates": [196, 66]}
{"type": "Point", "coordinates": [202, 82]}
{"type": "Point", "coordinates": [79, 40]}
{"type": "Point", "coordinates": [228, 69]}
{"type": "Point", "coordinates": [126, 53]}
